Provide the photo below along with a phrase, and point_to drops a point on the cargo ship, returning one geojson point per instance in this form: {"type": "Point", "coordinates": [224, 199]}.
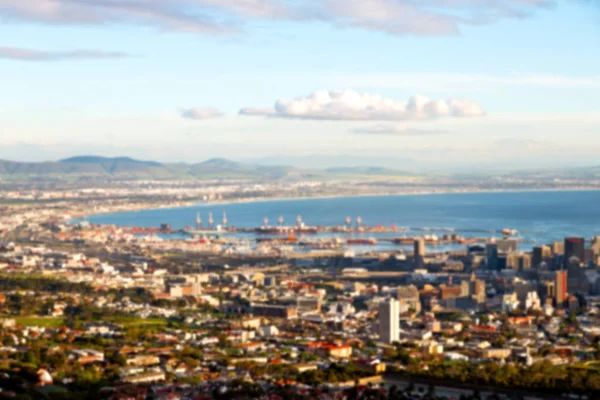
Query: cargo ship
{"type": "Point", "coordinates": [274, 230]}
{"type": "Point", "coordinates": [367, 241]}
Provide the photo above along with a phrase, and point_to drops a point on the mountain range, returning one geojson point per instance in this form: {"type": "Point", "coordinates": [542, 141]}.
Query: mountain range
{"type": "Point", "coordinates": [126, 168]}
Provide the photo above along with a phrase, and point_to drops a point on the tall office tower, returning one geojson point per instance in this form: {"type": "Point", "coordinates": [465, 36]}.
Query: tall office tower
{"type": "Point", "coordinates": [465, 288]}
{"type": "Point", "coordinates": [595, 245]}
{"type": "Point", "coordinates": [577, 281]}
{"type": "Point", "coordinates": [419, 252]}
{"type": "Point", "coordinates": [558, 248]}
{"type": "Point", "coordinates": [540, 253]}
{"type": "Point", "coordinates": [474, 288]}
{"type": "Point", "coordinates": [389, 321]}
{"type": "Point", "coordinates": [512, 260]}
{"type": "Point", "coordinates": [560, 287]}
{"type": "Point", "coordinates": [574, 247]}
{"type": "Point", "coordinates": [479, 291]}
{"type": "Point", "coordinates": [491, 252]}
{"type": "Point", "coordinates": [524, 261]}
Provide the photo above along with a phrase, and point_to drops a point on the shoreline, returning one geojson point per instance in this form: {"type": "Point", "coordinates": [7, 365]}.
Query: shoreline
{"type": "Point", "coordinates": [191, 203]}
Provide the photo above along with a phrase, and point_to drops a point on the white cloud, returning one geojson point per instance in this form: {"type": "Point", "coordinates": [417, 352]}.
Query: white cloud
{"type": "Point", "coordinates": [423, 17]}
{"type": "Point", "coordinates": [391, 129]}
{"type": "Point", "coordinates": [200, 113]}
{"type": "Point", "coordinates": [353, 106]}
{"type": "Point", "coordinates": [22, 54]}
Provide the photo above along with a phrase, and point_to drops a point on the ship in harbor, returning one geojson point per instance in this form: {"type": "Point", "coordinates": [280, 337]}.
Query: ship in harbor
{"type": "Point", "coordinates": [298, 229]}
{"type": "Point", "coordinates": [364, 241]}
{"type": "Point", "coordinates": [509, 232]}
{"type": "Point", "coordinates": [210, 230]}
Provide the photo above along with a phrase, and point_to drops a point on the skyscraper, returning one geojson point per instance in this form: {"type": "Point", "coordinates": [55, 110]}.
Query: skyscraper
{"type": "Point", "coordinates": [558, 248]}
{"type": "Point", "coordinates": [560, 287]}
{"type": "Point", "coordinates": [596, 245]}
{"type": "Point", "coordinates": [419, 252]}
{"type": "Point", "coordinates": [574, 247]}
{"type": "Point", "coordinates": [540, 253]}
{"type": "Point", "coordinates": [389, 321]}
{"type": "Point", "coordinates": [491, 252]}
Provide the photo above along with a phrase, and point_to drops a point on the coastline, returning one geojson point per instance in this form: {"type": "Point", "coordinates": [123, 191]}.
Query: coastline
{"type": "Point", "coordinates": [192, 203]}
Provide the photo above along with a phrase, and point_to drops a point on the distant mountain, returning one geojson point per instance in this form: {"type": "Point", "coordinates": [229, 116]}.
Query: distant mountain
{"type": "Point", "coordinates": [128, 168]}
{"type": "Point", "coordinates": [108, 160]}
{"type": "Point", "coordinates": [230, 169]}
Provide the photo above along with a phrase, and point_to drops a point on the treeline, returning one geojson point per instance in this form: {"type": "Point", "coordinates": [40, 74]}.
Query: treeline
{"type": "Point", "coordinates": [38, 283]}
{"type": "Point", "coordinates": [541, 376]}
{"type": "Point", "coordinates": [335, 373]}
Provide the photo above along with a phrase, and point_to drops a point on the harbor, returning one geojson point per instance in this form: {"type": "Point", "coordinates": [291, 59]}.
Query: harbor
{"type": "Point", "coordinates": [351, 236]}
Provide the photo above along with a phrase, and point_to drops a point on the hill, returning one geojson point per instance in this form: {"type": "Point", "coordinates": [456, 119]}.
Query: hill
{"type": "Point", "coordinates": [126, 168]}
{"type": "Point", "coordinates": [122, 168]}
{"type": "Point", "coordinates": [108, 160]}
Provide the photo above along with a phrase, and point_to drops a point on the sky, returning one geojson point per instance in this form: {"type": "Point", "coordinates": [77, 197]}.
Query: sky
{"type": "Point", "coordinates": [435, 83]}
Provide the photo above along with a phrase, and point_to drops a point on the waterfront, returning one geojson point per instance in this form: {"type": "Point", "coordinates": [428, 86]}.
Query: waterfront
{"type": "Point", "coordinates": [540, 217]}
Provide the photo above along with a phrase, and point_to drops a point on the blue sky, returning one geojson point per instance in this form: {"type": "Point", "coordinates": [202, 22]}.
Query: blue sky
{"type": "Point", "coordinates": [507, 82]}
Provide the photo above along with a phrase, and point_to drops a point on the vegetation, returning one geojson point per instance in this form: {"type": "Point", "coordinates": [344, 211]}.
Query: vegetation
{"type": "Point", "coordinates": [542, 376]}
{"type": "Point", "coordinates": [44, 322]}
{"type": "Point", "coordinates": [40, 283]}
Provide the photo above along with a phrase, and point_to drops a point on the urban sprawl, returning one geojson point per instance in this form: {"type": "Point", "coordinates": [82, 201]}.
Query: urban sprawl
{"type": "Point", "coordinates": [283, 310]}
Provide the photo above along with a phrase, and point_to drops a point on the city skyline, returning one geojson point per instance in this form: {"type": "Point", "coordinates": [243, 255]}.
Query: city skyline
{"type": "Point", "coordinates": [449, 84]}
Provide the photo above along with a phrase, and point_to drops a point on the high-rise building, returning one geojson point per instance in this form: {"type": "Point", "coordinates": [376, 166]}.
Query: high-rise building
{"type": "Point", "coordinates": [473, 288]}
{"type": "Point", "coordinates": [501, 261]}
{"type": "Point", "coordinates": [595, 246]}
{"type": "Point", "coordinates": [540, 254]}
{"type": "Point", "coordinates": [558, 248]}
{"type": "Point", "coordinates": [512, 260]}
{"type": "Point", "coordinates": [574, 247]}
{"type": "Point", "coordinates": [479, 294]}
{"type": "Point", "coordinates": [389, 321]}
{"type": "Point", "coordinates": [524, 261]}
{"type": "Point", "coordinates": [465, 288]}
{"type": "Point", "coordinates": [577, 281]}
{"type": "Point", "coordinates": [419, 252]}
{"type": "Point", "coordinates": [560, 287]}
{"type": "Point", "coordinates": [491, 253]}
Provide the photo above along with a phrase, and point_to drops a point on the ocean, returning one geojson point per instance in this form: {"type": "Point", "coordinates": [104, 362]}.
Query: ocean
{"type": "Point", "coordinates": [540, 217]}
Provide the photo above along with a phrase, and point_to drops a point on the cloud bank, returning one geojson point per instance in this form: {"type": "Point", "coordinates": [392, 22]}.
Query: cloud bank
{"type": "Point", "coordinates": [200, 113]}
{"type": "Point", "coordinates": [423, 17]}
{"type": "Point", "coordinates": [21, 54]}
{"type": "Point", "coordinates": [349, 105]}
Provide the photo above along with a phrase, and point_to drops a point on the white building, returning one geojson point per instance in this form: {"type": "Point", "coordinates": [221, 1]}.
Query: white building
{"type": "Point", "coordinates": [389, 321]}
{"type": "Point", "coordinates": [532, 301]}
